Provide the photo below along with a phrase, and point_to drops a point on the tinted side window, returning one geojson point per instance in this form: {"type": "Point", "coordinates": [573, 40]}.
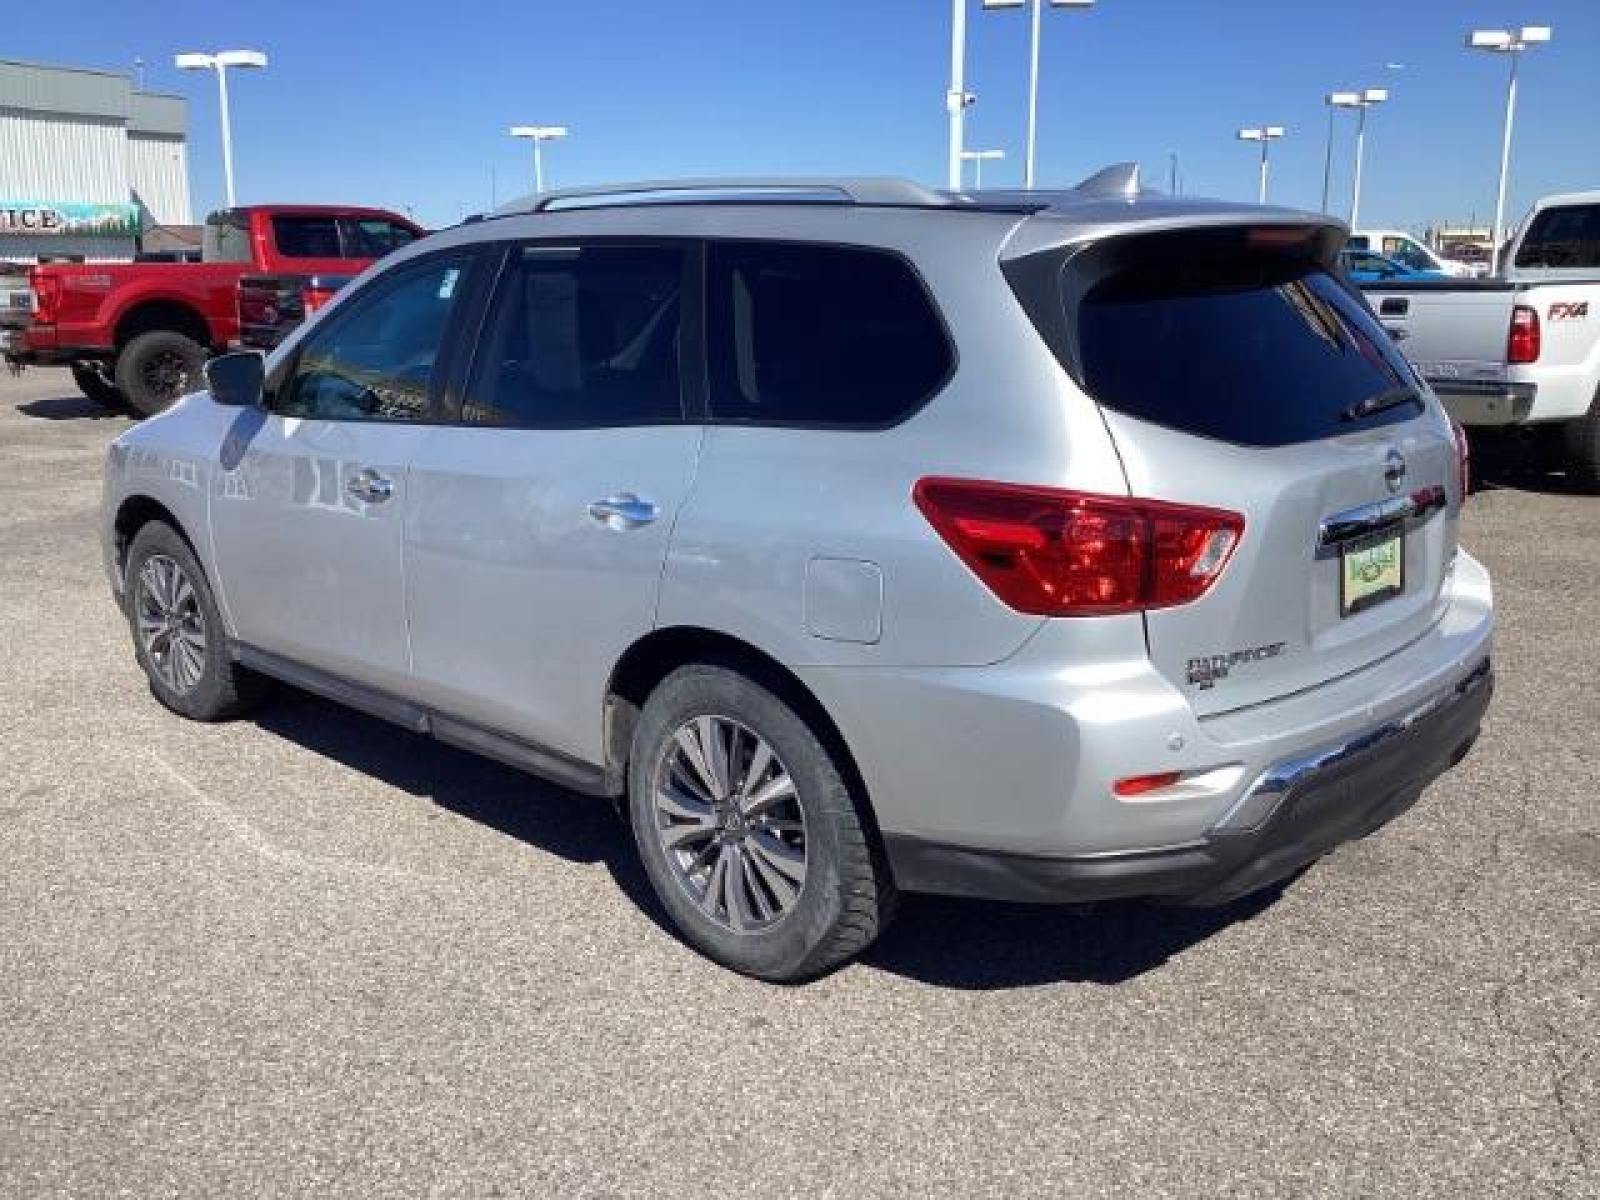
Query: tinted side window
{"type": "Point", "coordinates": [814, 334]}
{"type": "Point", "coordinates": [1263, 352]}
{"type": "Point", "coordinates": [1563, 237]}
{"type": "Point", "coordinates": [373, 237]}
{"type": "Point", "coordinates": [306, 237]}
{"type": "Point", "coordinates": [226, 237]}
{"type": "Point", "coordinates": [374, 359]}
{"type": "Point", "coordinates": [581, 336]}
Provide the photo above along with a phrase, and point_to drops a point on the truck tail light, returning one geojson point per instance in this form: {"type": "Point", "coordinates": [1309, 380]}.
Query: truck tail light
{"type": "Point", "coordinates": [1523, 344]}
{"type": "Point", "coordinates": [1057, 553]}
{"type": "Point", "coordinates": [313, 296]}
{"type": "Point", "coordinates": [46, 296]}
{"type": "Point", "coordinates": [1463, 457]}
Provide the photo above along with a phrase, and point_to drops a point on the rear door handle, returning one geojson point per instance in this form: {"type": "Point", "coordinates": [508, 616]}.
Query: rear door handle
{"type": "Point", "coordinates": [369, 486]}
{"type": "Point", "coordinates": [623, 511]}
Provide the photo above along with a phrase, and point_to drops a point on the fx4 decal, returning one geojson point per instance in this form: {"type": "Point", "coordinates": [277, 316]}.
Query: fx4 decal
{"type": "Point", "coordinates": [1570, 311]}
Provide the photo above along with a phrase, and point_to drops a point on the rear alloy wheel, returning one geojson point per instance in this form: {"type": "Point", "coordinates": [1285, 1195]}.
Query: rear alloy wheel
{"type": "Point", "coordinates": [156, 368]}
{"type": "Point", "coordinates": [748, 831]}
{"type": "Point", "coordinates": [93, 383]}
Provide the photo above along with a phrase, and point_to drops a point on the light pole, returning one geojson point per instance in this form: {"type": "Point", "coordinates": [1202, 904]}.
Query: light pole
{"type": "Point", "coordinates": [1335, 101]}
{"type": "Point", "coordinates": [220, 62]}
{"type": "Point", "coordinates": [1266, 135]}
{"type": "Point", "coordinates": [1033, 71]}
{"type": "Point", "coordinates": [1364, 101]}
{"type": "Point", "coordinates": [539, 134]}
{"type": "Point", "coordinates": [977, 158]}
{"type": "Point", "coordinates": [958, 99]}
{"type": "Point", "coordinates": [1503, 41]}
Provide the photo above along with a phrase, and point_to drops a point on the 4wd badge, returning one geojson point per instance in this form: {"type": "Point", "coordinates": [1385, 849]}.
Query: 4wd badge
{"type": "Point", "coordinates": [1204, 672]}
{"type": "Point", "coordinates": [1570, 311]}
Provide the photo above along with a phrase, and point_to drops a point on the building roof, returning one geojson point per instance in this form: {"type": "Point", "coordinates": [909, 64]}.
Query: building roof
{"type": "Point", "coordinates": [88, 92]}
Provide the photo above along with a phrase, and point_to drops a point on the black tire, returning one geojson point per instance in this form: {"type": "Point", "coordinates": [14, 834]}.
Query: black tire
{"type": "Point", "coordinates": [221, 689]}
{"type": "Point", "coordinates": [1581, 443]}
{"type": "Point", "coordinates": [846, 897]}
{"type": "Point", "coordinates": [158, 367]}
{"type": "Point", "coordinates": [92, 382]}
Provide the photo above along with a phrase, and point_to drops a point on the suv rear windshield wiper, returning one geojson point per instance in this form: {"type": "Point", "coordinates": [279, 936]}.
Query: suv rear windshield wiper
{"type": "Point", "coordinates": [1379, 402]}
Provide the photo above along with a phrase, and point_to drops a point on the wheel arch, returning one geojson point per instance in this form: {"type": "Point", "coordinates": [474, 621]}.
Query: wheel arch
{"type": "Point", "coordinates": [133, 514]}
{"type": "Point", "coordinates": [660, 652]}
{"type": "Point", "coordinates": [156, 313]}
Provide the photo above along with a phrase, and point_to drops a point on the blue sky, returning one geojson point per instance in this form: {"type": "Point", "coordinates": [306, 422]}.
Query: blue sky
{"type": "Point", "coordinates": [406, 104]}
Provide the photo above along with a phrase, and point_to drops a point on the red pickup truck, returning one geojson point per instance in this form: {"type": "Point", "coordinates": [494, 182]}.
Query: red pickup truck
{"type": "Point", "coordinates": [139, 332]}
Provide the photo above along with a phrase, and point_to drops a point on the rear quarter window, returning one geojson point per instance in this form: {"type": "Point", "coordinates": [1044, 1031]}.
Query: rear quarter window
{"type": "Point", "coordinates": [822, 335]}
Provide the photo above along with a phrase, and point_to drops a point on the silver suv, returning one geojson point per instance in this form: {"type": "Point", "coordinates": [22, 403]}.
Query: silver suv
{"type": "Point", "coordinates": [859, 538]}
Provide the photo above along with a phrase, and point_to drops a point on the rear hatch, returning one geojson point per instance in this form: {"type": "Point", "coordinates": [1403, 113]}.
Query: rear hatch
{"type": "Point", "coordinates": [1235, 371]}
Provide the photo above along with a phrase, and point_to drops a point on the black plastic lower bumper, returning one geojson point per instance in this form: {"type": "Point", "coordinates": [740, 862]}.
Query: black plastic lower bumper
{"type": "Point", "coordinates": [1365, 783]}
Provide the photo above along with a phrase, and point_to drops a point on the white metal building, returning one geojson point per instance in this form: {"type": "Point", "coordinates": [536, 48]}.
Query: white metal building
{"type": "Point", "coordinates": [86, 162]}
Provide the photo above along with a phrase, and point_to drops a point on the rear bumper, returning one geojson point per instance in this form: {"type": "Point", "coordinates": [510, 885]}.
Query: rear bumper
{"type": "Point", "coordinates": [1294, 813]}
{"type": "Point", "coordinates": [1486, 402]}
{"type": "Point", "coordinates": [38, 347]}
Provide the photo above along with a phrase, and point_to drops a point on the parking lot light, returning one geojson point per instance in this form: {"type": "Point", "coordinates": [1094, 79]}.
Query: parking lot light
{"type": "Point", "coordinates": [1335, 101]}
{"type": "Point", "coordinates": [977, 158]}
{"type": "Point", "coordinates": [1364, 100]}
{"type": "Point", "coordinates": [1266, 135]}
{"type": "Point", "coordinates": [1504, 41]}
{"type": "Point", "coordinates": [220, 62]}
{"type": "Point", "coordinates": [538, 135]}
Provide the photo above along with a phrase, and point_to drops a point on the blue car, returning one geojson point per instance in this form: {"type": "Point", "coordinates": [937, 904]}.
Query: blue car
{"type": "Point", "coordinates": [1363, 266]}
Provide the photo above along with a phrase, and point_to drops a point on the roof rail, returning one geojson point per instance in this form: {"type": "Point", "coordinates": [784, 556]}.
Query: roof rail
{"type": "Point", "coordinates": [868, 190]}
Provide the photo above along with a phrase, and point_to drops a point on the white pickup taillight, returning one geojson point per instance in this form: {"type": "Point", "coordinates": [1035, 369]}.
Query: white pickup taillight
{"type": "Point", "coordinates": [1523, 342]}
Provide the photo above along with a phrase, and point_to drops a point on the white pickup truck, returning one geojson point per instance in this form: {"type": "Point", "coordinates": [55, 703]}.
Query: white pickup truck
{"type": "Point", "coordinates": [1520, 348]}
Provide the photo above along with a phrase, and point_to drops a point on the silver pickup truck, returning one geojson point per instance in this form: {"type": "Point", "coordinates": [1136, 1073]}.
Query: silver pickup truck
{"type": "Point", "coordinates": [1523, 347]}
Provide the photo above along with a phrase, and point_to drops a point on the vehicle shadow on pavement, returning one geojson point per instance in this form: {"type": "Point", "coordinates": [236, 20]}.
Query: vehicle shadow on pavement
{"type": "Point", "coordinates": [963, 944]}
{"type": "Point", "coordinates": [1518, 464]}
{"type": "Point", "coordinates": [976, 945]}
{"type": "Point", "coordinates": [68, 408]}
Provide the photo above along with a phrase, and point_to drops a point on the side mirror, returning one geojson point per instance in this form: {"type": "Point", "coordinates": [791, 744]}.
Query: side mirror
{"type": "Point", "coordinates": [237, 380]}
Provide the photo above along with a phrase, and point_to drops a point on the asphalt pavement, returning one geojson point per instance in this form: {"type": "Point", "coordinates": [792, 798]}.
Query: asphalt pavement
{"type": "Point", "coordinates": [309, 953]}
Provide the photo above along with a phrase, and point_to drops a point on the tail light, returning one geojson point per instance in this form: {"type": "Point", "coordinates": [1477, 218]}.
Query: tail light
{"type": "Point", "coordinates": [313, 296]}
{"type": "Point", "coordinates": [1069, 554]}
{"type": "Point", "coordinates": [46, 296]}
{"type": "Point", "coordinates": [1523, 345]}
{"type": "Point", "coordinates": [1463, 456]}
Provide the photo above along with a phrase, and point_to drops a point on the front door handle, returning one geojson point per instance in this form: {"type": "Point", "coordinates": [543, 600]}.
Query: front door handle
{"type": "Point", "coordinates": [623, 511]}
{"type": "Point", "coordinates": [369, 486]}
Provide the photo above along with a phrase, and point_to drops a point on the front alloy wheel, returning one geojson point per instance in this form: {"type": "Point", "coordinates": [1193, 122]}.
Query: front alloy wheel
{"type": "Point", "coordinates": [171, 625]}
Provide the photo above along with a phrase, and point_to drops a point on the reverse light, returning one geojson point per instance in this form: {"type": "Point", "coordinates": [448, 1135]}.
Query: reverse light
{"type": "Point", "coordinates": [1058, 553]}
{"type": "Point", "coordinates": [1523, 344]}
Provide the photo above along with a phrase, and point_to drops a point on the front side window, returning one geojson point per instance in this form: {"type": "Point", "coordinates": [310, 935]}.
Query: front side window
{"type": "Point", "coordinates": [581, 336]}
{"type": "Point", "coordinates": [374, 359]}
{"type": "Point", "coordinates": [1407, 253]}
{"type": "Point", "coordinates": [306, 236]}
{"type": "Point", "coordinates": [1563, 237]}
{"type": "Point", "coordinates": [812, 334]}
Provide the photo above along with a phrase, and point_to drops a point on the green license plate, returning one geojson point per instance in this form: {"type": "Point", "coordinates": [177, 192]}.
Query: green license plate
{"type": "Point", "coordinates": [1371, 571]}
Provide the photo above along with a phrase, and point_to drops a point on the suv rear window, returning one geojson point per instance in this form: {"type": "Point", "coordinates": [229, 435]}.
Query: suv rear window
{"type": "Point", "coordinates": [1563, 237]}
{"type": "Point", "coordinates": [1258, 349]}
{"type": "Point", "coordinates": [813, 334]}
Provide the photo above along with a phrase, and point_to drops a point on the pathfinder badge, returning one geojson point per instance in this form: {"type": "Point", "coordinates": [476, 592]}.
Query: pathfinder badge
{"type": "Point", "coordinates": [1204, 672]}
